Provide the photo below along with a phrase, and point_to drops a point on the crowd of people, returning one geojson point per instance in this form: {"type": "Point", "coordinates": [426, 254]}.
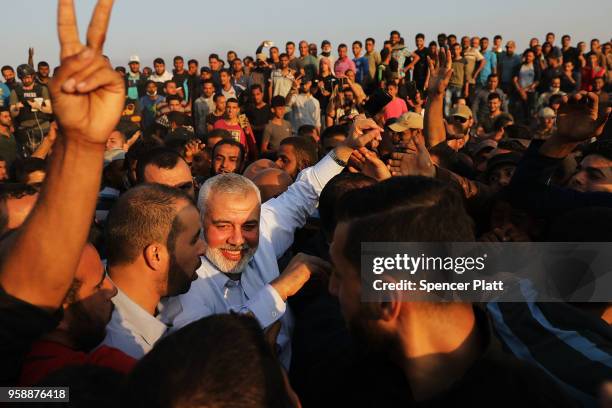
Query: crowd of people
{"type": "Point", "coordinates": [193, 238]}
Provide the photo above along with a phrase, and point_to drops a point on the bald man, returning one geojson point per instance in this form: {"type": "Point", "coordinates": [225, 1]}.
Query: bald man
{"type": "Point", "coordinates": [272, 182]}
{"type": "Point", "coordinates": [258, 165]}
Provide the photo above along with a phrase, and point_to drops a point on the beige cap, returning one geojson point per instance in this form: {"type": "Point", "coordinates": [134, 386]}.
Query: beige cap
{"type": "Point", "coordinates": [547, 113]}
{"type": "Point", "coordinates": [409, 120]}
{"type": "Point", "coordinates": [461, 111]}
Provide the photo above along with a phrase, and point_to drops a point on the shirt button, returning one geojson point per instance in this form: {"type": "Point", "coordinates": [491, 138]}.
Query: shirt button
{"type": "Point", "coordinates": [274, 314]}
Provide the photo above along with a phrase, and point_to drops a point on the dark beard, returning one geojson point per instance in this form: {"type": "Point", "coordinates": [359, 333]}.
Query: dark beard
{"type": "Point", "coordinates": [178, 281]}
{"type": "Point", "coordinates": [86, 332]}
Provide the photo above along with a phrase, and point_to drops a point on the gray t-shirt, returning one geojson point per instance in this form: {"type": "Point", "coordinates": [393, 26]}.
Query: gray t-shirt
{"type": "Point", "coordinates": [274, 134]}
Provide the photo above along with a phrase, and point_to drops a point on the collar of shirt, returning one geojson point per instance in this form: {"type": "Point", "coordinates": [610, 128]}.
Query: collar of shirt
{"type": "Point", "coordinates": [150, 328]}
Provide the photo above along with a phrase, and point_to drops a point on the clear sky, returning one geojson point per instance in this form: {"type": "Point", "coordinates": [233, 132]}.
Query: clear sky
{"type": "Point", "coordinates": [195, 28]}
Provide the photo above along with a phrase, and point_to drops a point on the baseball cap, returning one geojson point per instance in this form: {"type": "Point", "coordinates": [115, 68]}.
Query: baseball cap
{"type": "Point", "coordinates": [462, 111]}
{"type": "Point", "coordinates": [485, 144]}
{"type": "Point", "coordinates": [547, 113]}
{"type": "Point", "coordinates": [113, 155]}
{"type": "Point", "coordinates": [409, 120]}
{"type": "Point", "coordinates": [134, 58]}
{"type": "Point", "coordinates": [503, 158]}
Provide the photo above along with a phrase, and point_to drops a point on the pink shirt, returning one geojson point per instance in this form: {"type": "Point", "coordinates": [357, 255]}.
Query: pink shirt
{"type": "Point", "coordinates": [342, 65]}
{"type": "Point", "coordinates": [395, 109]}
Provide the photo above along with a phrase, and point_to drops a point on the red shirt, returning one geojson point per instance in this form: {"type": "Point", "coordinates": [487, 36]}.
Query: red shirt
{"type": "Point", "coordinates": [46, 357]}
{"type": "Point", "coordinates": [247, 139]}
{"type": "Point", "coordinates": [394, 109]}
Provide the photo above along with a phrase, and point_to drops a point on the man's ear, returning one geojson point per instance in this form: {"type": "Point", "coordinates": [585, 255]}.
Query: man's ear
{"type": "Point", "coordinates": [154, 255]}
{"type": "Point", "coordinates": [388, 306]}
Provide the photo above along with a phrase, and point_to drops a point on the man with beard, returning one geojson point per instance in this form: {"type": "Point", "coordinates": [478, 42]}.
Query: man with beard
{"type": "Point", "coordinates": [244, 238]}
{"type": "Point", "coordinates": [413, 352]}
{"type": "Point", "coordinates": [87, 310]}
{"type": "Point", "coordinates": [154, 249]}
{"type": "Point", "coordinates": [227, 157]}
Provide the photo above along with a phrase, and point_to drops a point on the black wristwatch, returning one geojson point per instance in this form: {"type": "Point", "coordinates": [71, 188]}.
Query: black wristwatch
{"type": "Point", "coordinates": [335, 158]}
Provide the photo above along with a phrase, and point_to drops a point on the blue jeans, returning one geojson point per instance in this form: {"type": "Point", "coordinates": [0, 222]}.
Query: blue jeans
{"type": "Point", "coordinates": [452, 92]}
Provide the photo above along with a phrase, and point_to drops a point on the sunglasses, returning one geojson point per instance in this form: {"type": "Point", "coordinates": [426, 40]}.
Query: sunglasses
{"type": "Point", "coordinates": [459, 119]}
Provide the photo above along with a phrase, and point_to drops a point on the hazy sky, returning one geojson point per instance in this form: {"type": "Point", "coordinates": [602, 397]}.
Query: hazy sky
{"type": "Point", "coordinates": [195, 28]}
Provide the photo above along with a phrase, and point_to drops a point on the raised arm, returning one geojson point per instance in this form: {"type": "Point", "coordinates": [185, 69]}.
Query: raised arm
{"type": "Point", "coordinates": [435, 131]}
{"type": "Point", "coordinates": [88, 98]}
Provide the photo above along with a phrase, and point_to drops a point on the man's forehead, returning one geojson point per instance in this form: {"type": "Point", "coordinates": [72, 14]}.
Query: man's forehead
{"type": "Point", "coordinates": [597, 161]}
{"type": "Point", "coordinates": [179, 174]}
{"type": "Point", "coordinates": [225, 206]}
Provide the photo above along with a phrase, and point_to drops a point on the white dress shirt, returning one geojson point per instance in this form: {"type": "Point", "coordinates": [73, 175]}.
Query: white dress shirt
{"type": "Point", "coordinates": [133, 330]}
{"type": "Point", "coordinates": [305, 110]}
{"type": "Point", "coordinates": [214, 293]}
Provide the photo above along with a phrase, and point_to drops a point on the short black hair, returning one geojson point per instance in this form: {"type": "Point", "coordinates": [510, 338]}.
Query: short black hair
{"type": "Point", "coordinates": [305, 150]}
{"type": "Point", "coordinates": [403, 209]}
{"type": "Point", "coordinates": [43, 64]}
{"type": "Point", "coordinates": [394, 32]}
{"type": "Point", "coordinates": [178, 58]}
{"type": "Point", "coordinates": [226, 71]}
{"type": "Point", "coordinates": [342, 45]}
{"type": "Point", "coordinates": [150, 81]}
{"type": "Point", "coordinates": [335, 130]}
{"type": "Point", "coordinates": [232, 366]}
{"type": "Point", "coordinates": [497, 37]}
{"type": "Point", "coordinates": [172, 98]}
{"type": "Point", "coordinates": [169, 82]}
{"type": "Point", "coordinates": [373, 41]}
{"type": "Point", "coordinates": [333, 192]}
{"type": "Point", "coordinates": [232, 100]}
{"type": "Point", "coordinates": [217, 96]}
{"type": "Point", "coordinates": [289, 43]}
{"type": "Point", "coordinates": [7, 68]}
{"type": "Point", "coordinates": [419, 35]}
{"type": "Point", "coordinates": [161, 157]}
{"type": "Point", "coordinates": [493, 95]}
{"type": "Point", "coordinates": [277, 101]}
{"type": "Point", "coordinates": [159, 61]}
{"type": "Point", "coordinates": [213, 56]}
{"type": "Point", "coordinates": [141, 216]}
{"type": "Point", "coordinates": [231, 142]}
{"type": "Point", "coordinates": [255, 86]}
{"type": "Point", "coordinates": [193, 61]}
{"type": "Point", "coordinates": [358, 43]}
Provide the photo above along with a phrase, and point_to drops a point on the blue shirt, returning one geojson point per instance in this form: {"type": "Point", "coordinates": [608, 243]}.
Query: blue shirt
{"type": "Point", "coordinates": [490, 63]}
{"type": "Point", "coordinates": [507, 65]}
{"type": "Point", "coordinates": [5, 92]}
{"type": "Point", "coordinates": [363, 67]}
{"type": "Point", "coordinates": [148, 107]}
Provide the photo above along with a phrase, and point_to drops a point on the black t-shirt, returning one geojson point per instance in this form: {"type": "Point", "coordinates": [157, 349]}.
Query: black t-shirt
{"type": "Point", "coordinates": [420, 68]}
{"type": "Point", "coordinates": [20, 324]}
{"type": "Point", "coordinates": [182, 80]}
{"type": "Point", "coordinates": [258, 118]}
{"type": "Point", "coordinates": [571, 54]}
{"type": "Point", "coordinates": [495, 379]}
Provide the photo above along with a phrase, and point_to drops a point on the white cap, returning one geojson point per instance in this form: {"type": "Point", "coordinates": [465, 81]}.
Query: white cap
{"type": "Point", "coordinates": [134, 58]}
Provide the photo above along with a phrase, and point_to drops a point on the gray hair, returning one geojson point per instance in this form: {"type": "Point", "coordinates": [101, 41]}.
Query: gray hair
{"type": "Point", "coordinates": [230, 183]}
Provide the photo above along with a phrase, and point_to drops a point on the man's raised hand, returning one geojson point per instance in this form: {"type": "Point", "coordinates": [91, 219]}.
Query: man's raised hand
{"type": "Point", "coordinates": [87, 94]}
{"type": "Point", "coordinates": [440, 74]}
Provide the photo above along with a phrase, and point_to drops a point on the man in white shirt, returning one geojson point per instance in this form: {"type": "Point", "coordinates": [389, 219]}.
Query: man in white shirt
{"type": "Point", "coordinates": [160, 76]}
{"type": "Point", "coordinates": [305, 108]}
{"type": "Point", "coordinates": [244, 239]}
{"type": "Point", "coordinates": [154, 250]}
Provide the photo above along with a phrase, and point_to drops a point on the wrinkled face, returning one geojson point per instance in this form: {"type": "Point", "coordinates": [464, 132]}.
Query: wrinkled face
{"type": "Point", "coordinates": [501, 175]}
{"type": "Point", "coordinates": [8, 75]}
{"type": "Point", "coordinates": [115, 141]}
{"type": "Point", "coordinates": [208, 89]}
{"type": "Point", "coordinates": [192, 68]}
{"type": "Point", "coordinates": [257, 95]}
{"type": "Point", "coordinates": [593, 174]}
{"type": "Point", "coordinates": [134, 67]}
{"type": "Point", "coordinates": [356, 50]}
{"type": "Point", "coordinates": [226, 159]}
{"type": "Point", "coordinates": [91, 309]}
{"type": "Point", "coordinates": [159, 68]}
{"type": "Point", "coordinates": [342, 52]}
{"type": "Point", "coordinates": [186, 252]}
{"type": "Point", "coordinates": [232, 110]}
{"type": "Point", "coordinates": [179, 176]}
{"type": "Point", "coordinates": [284, 62]}
{"type": "Point", "coordinates": [151, 88]}
{"type": "Point", "coordinates": [494, 105]}
{"type": "Point", "coordinates": [290, 49]}
{"type": "Point", "coordinates": [3, 171]}
{"type": "Point", "coordinates": [231, 229]}
{"type": "Point", "coordinates": [287, 160]}
{"type": "Point", "coordinates": [369, 46]}
{"type": "Point", "coordinates": [225, 78]}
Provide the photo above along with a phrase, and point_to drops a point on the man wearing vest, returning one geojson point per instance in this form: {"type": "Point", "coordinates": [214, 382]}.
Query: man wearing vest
{"type": "Point", "coordinates": [30, 108]}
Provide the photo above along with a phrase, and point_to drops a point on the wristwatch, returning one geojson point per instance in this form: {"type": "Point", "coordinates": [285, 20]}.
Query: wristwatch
{"type": "Point", "coordinates": [335, 158]}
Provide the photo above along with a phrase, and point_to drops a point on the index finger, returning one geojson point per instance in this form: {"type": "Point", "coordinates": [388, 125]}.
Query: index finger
{"type": "Point", "coordinates": [67, 30]}
{"type": "Point", "coordinates": [96, 33]}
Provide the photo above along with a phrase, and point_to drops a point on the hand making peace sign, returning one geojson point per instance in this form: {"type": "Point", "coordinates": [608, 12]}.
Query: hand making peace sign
{"type": "Point", "coordinates": [87, 94]}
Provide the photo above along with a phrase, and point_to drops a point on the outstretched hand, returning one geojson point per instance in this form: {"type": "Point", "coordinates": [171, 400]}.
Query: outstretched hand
{"type": "Point", "coordinates": [362, 132]}
{"type": "Point", "coordinates": [440, 73]}
{"type": "Point", "coordinates": [87, 94]}
{"type": "Point", "coordinates": [577, 122]}
{"type": "Point", "coordinates": [410, 162]}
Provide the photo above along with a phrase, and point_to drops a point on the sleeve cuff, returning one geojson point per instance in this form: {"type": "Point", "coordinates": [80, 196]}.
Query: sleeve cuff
{"type": "Point", "coordinates": [267, 306]}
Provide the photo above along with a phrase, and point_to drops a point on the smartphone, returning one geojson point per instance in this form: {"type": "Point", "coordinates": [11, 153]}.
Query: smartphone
{"type": "Point", "coordinates": [377, 101]}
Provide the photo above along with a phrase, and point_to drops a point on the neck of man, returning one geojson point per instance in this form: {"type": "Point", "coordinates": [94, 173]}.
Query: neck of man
{"type": "Point", "coordinates": [260, 104]}
{"type": "Point", "coordinates": [62, 336]}
{"type": "Point", "coordinates": [5, 130]}
{"type": "Point", "coordinates": [232, 121]}
{"type": "Point", "coordinates": [276, 120]}
{"type": "Point", "coordinates": [435, 350]}
{"type": "Point", "coordinates": [129, 278]}
{"type": "Point", "coordinates": [227, 87]}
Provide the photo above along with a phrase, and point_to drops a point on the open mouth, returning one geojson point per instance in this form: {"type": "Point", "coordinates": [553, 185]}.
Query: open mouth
{"type": "Point", "coordinates": [232, 255]}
